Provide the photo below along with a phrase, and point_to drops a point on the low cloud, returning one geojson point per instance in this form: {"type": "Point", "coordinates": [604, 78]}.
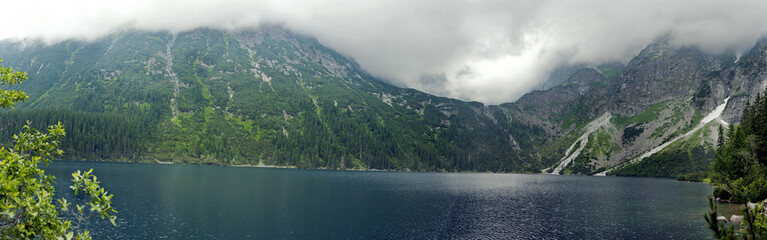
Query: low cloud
{"type": "Point", "coordinates": [488, 51]}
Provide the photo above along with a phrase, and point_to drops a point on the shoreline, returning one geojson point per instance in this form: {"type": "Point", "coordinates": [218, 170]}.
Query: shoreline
{"type": "Point", "coordinates": [336, 169]}
{"type": "Point", "coordinates": [286, 167]}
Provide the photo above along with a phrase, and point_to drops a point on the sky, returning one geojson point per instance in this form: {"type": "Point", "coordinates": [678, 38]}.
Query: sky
{"type": "Point", "coordinates": [490, 51]}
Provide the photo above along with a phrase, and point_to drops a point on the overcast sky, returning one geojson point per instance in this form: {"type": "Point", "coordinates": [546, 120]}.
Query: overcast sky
{"type": "Point", "coordinates": [488, 51]}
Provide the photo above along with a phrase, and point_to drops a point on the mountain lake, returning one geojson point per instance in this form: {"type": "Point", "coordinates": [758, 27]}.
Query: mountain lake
{"type": "Point", "coordinates": [164, 201]}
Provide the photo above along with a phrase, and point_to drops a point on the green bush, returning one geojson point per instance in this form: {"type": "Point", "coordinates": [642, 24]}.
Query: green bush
{"type": "Point", "coordinates": [692, 177]}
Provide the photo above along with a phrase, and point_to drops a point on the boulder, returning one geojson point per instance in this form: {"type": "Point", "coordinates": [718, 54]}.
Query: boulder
{"type": "Point", "coordinates": [736, 219]}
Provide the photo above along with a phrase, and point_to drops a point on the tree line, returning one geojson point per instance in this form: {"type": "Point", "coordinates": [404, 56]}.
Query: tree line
{"type": "Point", "coordinates": [739, 173]}
{"type": "Point", "coordinates": [91, 136]}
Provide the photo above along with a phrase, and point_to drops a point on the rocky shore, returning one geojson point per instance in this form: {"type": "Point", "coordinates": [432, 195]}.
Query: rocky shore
{"type": "Point", "coordinates": [737, 219]}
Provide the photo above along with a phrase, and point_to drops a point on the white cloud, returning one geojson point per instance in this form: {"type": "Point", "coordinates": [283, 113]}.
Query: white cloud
{"type": "Point", "coordinates": [492, 51]}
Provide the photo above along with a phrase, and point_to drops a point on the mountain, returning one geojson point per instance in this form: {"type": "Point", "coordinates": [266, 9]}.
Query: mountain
{"type": "Point", "coordinates": [268, 96]}
{"type": "Point", "coordinates": [262, 96]}
{"type": "Point", "coordinates": [656, 117]}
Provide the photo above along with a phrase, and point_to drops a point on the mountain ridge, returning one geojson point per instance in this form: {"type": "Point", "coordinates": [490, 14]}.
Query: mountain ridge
{"type": "Point", "coordinates": [282, 98]}
{"type": "Point", "coordinates": [267, 96]}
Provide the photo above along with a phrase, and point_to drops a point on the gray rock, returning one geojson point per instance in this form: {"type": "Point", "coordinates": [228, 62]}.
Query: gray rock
{"type": "Point", "coordinates": [736, 219]}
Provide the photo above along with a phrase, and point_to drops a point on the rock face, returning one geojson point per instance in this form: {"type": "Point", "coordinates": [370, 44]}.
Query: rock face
{"type": "Point", "coordinates": [662, 93]}
{"type": "Point", "coordinates": [661, 72]}
{"type": "Point", "coordinates": [269, 96]}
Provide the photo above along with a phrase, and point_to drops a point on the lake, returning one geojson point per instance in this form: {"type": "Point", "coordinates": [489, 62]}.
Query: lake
{"type": "Point", "coordinates": [157, 201]}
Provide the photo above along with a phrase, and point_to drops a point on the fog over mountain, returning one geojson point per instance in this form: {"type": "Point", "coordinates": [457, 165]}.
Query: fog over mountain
{"type": "Point", "coordinates": [488, 51]}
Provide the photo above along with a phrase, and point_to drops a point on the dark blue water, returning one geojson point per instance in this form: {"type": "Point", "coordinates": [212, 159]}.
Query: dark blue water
{"type": "Point", "coordinates": [204, 202]}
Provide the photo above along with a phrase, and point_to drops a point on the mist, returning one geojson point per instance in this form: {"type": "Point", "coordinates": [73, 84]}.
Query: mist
{"type": "Point", "coordinates": [489, 51]}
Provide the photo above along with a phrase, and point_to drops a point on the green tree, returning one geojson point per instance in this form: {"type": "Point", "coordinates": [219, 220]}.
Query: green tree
{"type": "Point", "coordinates": [739, 170]}
{"type": "Point", "coordinates": [27, 193]}
{"type": "Point", "coordinates": [8, 78]}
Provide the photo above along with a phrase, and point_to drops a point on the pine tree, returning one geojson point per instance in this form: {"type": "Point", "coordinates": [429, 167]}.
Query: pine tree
{"type": "Point", "coordinates": [739, 169]}
{"type": "Point", "coordinates": [720, 140]}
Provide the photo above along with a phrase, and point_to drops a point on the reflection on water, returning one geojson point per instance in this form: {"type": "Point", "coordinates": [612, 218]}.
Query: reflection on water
{"type": "Point", "coordinates": [204, 202]}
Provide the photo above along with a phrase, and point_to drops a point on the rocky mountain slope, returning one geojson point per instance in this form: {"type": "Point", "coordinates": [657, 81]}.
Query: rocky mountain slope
{"type": "Point", "coordinates": [267, 96]}
{"type": "Point", "coordinates": [263, 96]}
{"type": "Point", "coordinates": [656, 103]}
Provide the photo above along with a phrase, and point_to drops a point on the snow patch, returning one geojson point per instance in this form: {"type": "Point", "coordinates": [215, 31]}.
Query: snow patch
{"type": "Point", "coordinates": [714, 115]}
{"type": "Point", "coordinates": [583, 140]}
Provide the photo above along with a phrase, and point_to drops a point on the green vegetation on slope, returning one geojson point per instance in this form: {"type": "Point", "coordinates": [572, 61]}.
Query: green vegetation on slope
{"type": "Point", "coordinates": [670, 163]}
{"type": "Point", "coordinates": [259, 96]}
{"type": "Point", "coordinates": [599, 147]}
{"type": "Point", "coordinates": [92, 136]}
{"type": "Point", "coordinates": [685, 156]}
{"type": "Point", "coordinates": [651, 114]}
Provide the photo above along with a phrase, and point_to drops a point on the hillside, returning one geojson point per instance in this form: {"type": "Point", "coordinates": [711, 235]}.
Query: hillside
{"type": "Point", "coordinates": [267, 96]}
{"type": "Point", "coordinates": [663, 101]}
{"type": "Point", "coordinates": [260, 96]}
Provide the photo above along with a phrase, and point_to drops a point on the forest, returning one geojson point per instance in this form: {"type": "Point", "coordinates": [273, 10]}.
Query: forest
{"type": "Point", "coordinates": [739, 174]}
{"type": "Point", "coordinates": [90, 136]}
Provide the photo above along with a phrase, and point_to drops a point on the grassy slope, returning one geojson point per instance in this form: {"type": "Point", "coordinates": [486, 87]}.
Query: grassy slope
{"type": "Point", "coordinates": [266, 97]}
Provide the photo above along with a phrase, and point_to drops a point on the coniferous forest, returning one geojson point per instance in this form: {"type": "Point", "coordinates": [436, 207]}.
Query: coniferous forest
{"type": "Point", "coordinates": [739, 174]}
{"type": "Point", "coordinates": [90, 136]}
{"type": "Point", "coordinates": [257, 97]}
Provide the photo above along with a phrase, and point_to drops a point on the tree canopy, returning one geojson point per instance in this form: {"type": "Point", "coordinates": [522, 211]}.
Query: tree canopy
{"type": "Point", "coordinates": [27, 193]}
{"type": "Point", "coordinates": [739, 172]}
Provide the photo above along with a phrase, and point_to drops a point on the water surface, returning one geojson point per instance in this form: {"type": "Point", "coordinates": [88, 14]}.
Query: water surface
{"type": "Point", "coordinates": [204, 202]}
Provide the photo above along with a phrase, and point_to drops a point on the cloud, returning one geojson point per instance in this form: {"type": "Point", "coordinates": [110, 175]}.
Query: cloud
{"type": "Point", "coordinates": [491, 51]}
